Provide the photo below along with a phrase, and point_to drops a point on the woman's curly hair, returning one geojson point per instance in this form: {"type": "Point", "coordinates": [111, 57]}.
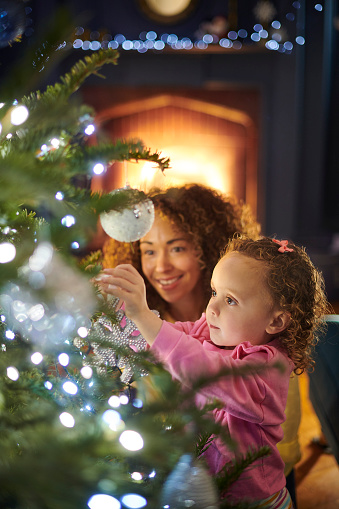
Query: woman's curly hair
{"type": "Point", "coordinates": [206, 216]}
{"type": "Point", "coordinates": [296, 287]}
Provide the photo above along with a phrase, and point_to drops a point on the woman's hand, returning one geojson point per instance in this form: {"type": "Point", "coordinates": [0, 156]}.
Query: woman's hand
{"type": "Point", "coordinates": [125, 282]}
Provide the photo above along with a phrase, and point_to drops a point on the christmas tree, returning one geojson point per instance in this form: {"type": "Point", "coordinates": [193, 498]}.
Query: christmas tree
{"type": "Point", "coordinates": [75, 432]}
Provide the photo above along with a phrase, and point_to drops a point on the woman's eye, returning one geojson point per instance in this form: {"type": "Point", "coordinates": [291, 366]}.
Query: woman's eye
{"type": "Point", "coordinates": [178, 249]}
{"type": "Point", "coordinates": [149, 252]}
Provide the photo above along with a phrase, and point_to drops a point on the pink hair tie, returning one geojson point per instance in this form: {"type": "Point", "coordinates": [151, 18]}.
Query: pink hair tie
{"type": "Point", "coordinates": [283, 245]}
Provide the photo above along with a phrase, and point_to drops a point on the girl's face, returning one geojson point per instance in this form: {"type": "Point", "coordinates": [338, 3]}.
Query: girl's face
{"type": "Point", "coordinates": [241, 307]}
{"type": "Point", "coordinates": [170, 263]}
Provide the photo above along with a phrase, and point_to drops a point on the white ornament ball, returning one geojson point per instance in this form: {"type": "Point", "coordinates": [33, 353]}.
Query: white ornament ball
{"type": "Point", "coordinates": [131, 223]}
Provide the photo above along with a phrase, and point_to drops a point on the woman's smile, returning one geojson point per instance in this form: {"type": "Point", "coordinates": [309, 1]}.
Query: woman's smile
{"type": "Point", "coordinates": [168, 283]}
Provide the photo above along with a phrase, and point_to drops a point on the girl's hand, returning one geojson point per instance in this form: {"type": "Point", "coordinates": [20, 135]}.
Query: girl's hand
{"type": "Point", "coordinates": [125, 282]}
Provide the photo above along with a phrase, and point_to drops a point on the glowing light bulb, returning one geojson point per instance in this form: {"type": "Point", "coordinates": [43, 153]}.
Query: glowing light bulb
{"type": "Point", "coordinates": [36, 358]}
{"type": "Point", "coordinates": [131, 440]}
{"type": "Point", "coordinates": [137, 476]}
{"type": "Point", "coordinates": [7, 252]}
{"type": "Point", "coordinates": [134, 501]}
{"type": "Point", "coordinates": [68, 221]}
{"type": "Point", "coordinates": [70, 388]}
{"type": "Point", "coordinates": [86, 372]}
{"type": "Point", "coordinates": [101, 501]}
{"type": "Point", "coordinates": [12, 373]}
{"type": "Point", "coordinates": [98, 169]}
{"type": "Point", "coordinates": [19, 115]}
{"type": "Point", "coordinates": [124, 399]}
{"type": "Point", "coordinates": [63, 359]}
{"type": "Point", "coordinates": [112, 418]}
{"type": "Point", "coordinates": [114, 401]}
{"type": "Point", "coordinates": [55, 143]}
{"type": "Point", "coordinates": [67, 420]}
{"type": "Point", "coordinates": [83, 332]}
{"type": "Point", "coordinates": [90, 129]}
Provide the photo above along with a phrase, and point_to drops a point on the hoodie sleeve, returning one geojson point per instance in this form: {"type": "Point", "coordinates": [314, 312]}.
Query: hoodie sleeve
{"type": "Point", "coordinates": [185, 351]}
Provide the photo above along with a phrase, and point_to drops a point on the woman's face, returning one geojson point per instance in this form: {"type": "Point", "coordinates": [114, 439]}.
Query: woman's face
{"type": "Point", "coordinates": [170, 263]}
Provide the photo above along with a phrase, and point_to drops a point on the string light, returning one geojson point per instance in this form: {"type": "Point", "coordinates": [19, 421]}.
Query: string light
{"type": "Point", "coordinates": [7, 252]}
{"type": "Point", "coordinates": [70, 388]}
{"type": "Point", "coordinates": [98, 169]}
{"type": "Point", "coordinates": [150, 40]}
{"type": "Point", "coordinates": [134, 501]}
{"type": "Point", "coordinates": [67, 420]}
{"type": "Point", "coordinates": [59, 196]}
{"type": "Point", "coordinates": [63, 359]}
{"type": "Point", "coordinates": [114, 401]}
{"type": "Point", "coordinates": [89, 129]}
{"type": "Point", "coordinates": [131, 440]}
{"type": "Point", "coordinates": [12, 373]}
{"type": "Point", "coordinates": [86, 372]}
{"type": "Point", "coordinates": [124, 399]}
{"type": "Point", "coordinates": [19, 115]}
{"type": "Point", "coordinates": [36, 358]}
{"type": "Point", "coordinates": [136, 476]}
{"type": "Point", "coordinates": [101, 501]}
{"type": "Point", "coordinates": [68, 221]}
{"type": "Point", "coordinates": [113, 419]}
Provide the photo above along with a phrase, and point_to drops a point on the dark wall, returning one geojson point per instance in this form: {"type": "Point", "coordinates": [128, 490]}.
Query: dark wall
{"type": "Point", "coordinates": [298, 170]}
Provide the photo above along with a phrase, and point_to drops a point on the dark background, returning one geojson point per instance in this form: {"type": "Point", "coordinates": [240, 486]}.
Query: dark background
{"type": "Point", "coordinates": [298, 180]}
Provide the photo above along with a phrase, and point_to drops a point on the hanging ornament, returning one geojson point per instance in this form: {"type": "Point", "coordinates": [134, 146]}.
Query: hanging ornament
{"type": "Point", "coordinates": [12, 21]}
{"type": "Point", "coordinates": [123, 334]}
{"type": "Point", "coordinates": [189, 485]}
{"type": "Point", "coordinates": [130, 224]}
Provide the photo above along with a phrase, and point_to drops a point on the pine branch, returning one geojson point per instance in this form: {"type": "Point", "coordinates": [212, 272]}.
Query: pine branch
{"type": "Point", "coordinates": [231, 472]}
{"type": "Point", "coordinates": [71, 81]}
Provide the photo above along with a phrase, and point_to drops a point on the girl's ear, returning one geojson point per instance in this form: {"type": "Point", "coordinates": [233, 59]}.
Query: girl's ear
{"type": "Point", "coordinates": [280, 320]}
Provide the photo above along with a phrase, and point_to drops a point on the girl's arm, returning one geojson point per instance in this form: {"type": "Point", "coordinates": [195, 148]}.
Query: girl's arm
{"type": "Point", "coordinates": [125, 282]}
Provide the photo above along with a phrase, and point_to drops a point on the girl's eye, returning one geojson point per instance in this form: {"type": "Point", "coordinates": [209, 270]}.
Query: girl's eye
{"type": "Point", "coordinates": [214, 293]}
{"type": "Point", "coordinates": [230, 301]}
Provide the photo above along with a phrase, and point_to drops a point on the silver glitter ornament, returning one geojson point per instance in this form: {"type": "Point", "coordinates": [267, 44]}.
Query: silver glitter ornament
{"type": "Point", "coordinates": [123, 334]}
{"type": "Point", "coordinates": [131, 223]}
{"type": "Point", "coordinates": [189, 485]}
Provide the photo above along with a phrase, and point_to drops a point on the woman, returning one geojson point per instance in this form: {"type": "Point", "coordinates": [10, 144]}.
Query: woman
{"type": "Point", "coordinates": [193, 223]}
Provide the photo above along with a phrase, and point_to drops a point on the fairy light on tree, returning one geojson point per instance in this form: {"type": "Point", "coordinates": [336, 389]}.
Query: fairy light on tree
{"type": "Point", "coordinates": [7, 252]}
{"type": "Point", "coordinates": [67, 420]}
{"type": "Point", "coordinates": [19, 115]}
{"type": "Point", "coordinates": [131, 440]}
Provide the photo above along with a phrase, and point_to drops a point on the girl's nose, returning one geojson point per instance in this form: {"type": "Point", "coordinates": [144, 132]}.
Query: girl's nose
{"type": "Point", "coordinates": [213, 308]}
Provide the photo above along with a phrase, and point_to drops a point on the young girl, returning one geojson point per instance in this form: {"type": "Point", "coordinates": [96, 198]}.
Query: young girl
{"type": "Point", "coordinates": [267, 303]}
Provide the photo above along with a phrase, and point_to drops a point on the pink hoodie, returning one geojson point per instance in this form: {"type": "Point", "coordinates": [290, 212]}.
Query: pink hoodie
{"type": "Point", "coordinates": [253, 405]}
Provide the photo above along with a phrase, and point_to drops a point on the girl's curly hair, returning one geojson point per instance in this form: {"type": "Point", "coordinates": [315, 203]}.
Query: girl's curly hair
{"type": "Point", "coordinates": [297, 287]}
{"type": "Point", "coordinates": [206, 216]}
